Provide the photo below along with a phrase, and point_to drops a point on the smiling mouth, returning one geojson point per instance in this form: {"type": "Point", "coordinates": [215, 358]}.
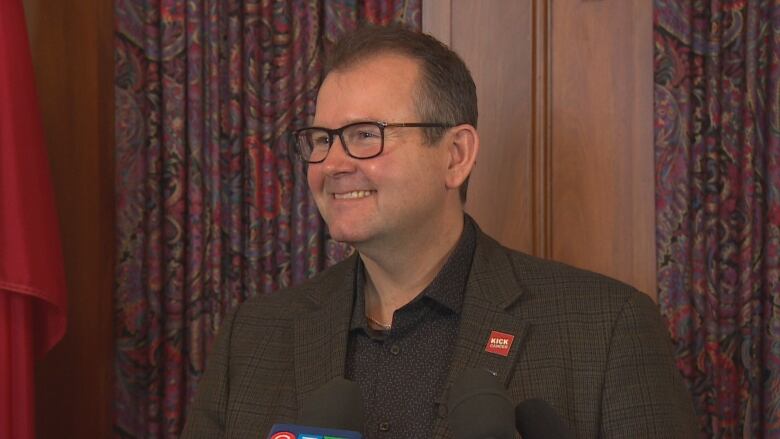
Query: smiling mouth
{"type": "Point", "coordinates": [354, 195]}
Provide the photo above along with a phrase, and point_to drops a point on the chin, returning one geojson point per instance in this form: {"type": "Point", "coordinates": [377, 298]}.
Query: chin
{"type": "Point", "coordinates": [346, 234]}
{"type": "Point", "coordinates": [349, 227]}
{"type": "Point", "coordinates": [350, 239]}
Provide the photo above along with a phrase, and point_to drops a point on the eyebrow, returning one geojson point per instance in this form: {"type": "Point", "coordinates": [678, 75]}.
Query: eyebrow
{"type": "Point", "coordinates": [351, 121]}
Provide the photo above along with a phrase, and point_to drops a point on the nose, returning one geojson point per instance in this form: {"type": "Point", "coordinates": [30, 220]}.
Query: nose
{"type": "Point", "coordinates": [338, 161]}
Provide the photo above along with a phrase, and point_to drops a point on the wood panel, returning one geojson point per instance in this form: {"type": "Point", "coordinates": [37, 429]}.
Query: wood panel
{"type": "Point", "coordinates": [505, 46]}
{"type": "Point", "coordinates": [565, 89]}
{"type": "Point", "coordinates": [602, 140]}
{"type": "Point", "coordinates": [495, 40]}
{"type": "Point", "coordinates": [541, 130]}
{"type": "Point", "coordinates": [72, 46]}
{"type": "Point", "coordinates": [437, 19]}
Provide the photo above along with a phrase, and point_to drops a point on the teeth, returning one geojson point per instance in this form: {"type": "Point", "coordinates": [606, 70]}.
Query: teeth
{"type": "Point", "coordinates": [352, 195]}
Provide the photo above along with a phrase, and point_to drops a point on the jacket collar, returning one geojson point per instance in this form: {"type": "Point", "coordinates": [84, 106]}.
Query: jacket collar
{"type": "Point", "coordinates": [321, 334]}
{"type": "Point", "coordinates": [492, 293]}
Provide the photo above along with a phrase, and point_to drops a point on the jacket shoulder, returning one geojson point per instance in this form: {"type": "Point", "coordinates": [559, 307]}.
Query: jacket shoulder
{"type": "Point", "coordinates": [310, 294]}
{"type": "Point", "coordinates": [559, 287]}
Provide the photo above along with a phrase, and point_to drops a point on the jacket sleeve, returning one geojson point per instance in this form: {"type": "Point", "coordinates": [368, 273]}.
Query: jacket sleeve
{"type": "Point", "coordinates": [206, 418]}
{"type": "Point", "coordinates": [644, 395]}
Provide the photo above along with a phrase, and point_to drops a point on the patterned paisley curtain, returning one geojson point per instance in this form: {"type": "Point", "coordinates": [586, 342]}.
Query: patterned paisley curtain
{"type": "Point", "coordinates": [211, 208]}
{"type": "Point", "coordinates": [717, 149]}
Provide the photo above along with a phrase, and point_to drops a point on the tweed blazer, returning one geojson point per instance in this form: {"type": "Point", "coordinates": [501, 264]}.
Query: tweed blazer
{"type": "Point", "coordinates": [592, 347]}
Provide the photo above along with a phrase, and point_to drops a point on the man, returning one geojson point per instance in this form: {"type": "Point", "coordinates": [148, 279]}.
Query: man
{"type": "Point", "coordinates": [427, 294]}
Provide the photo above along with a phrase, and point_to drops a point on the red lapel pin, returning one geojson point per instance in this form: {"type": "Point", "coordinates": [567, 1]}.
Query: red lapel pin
{"type": "Point", "coordinates": [499, 343]}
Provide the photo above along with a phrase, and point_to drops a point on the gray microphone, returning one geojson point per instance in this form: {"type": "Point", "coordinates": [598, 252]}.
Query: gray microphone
{"type": "Point", "coordinates": [480, 407]}
{"type": "Point", "coordinates": [536, 419]}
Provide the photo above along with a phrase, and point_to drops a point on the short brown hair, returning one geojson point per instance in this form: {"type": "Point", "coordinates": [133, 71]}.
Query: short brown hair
{"type": "Point", "coordinates": [446, 92]}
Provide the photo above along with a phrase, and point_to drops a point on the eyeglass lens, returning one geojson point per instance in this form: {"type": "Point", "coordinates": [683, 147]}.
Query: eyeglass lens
{"type": "Point", "coordinates": [361, 140]}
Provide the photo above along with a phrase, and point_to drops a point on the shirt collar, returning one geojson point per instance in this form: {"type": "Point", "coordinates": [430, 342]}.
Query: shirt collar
{"type": "Point", "coordinates": [446, 289]}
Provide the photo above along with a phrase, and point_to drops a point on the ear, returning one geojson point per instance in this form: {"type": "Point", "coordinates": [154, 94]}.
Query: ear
{"type": "Point", "coordinates": [463, 146]}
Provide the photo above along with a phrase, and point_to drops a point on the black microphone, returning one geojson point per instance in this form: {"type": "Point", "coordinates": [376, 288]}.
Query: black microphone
{"type": "Point", "coordinates": [536, 419]}
{"type": "Point", "coordinates": [334, 410]}
{"type": "Point", "coordinates": [480, 408]}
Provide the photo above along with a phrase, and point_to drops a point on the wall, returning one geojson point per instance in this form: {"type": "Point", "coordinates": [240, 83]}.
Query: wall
{"type": "Point", "coordinates": [566, 166]}
{"type": "Point", "coordinates": [72, 48]}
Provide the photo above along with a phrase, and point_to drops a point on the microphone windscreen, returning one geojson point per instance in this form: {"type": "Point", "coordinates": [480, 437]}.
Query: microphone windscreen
{"type": "Point", "coordinates": [293, 431]}
{"type": "Point", "coordinates": [337, 404]}
{"type": "Point", "coordinates": [537, 419]}
{"type": "Point", "coordinates": [479, 407]}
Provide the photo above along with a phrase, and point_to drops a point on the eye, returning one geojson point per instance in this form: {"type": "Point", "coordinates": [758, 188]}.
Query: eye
{"type": "Point", "coordinates": [367, 133]}
{"type": "Point", "coordinates": [364, 133]}
{"type": "Point", "coordinates": [320, 139]}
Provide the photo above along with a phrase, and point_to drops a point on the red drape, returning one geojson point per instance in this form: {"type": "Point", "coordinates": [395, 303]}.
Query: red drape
{"type": "Point", "coordinates": [211, 209]}
{"type": "Point", "coordinates": [717, 183]}
{"type": "Point", "coordinates": [32, 279]}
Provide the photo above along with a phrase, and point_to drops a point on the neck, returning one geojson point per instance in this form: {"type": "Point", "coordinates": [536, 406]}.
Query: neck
{"type": "Point", "coordinates": [394, 277]}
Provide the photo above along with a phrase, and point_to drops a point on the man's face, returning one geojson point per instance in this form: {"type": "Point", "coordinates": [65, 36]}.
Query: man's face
{"type": "Point", "coordinates": [390, 198]}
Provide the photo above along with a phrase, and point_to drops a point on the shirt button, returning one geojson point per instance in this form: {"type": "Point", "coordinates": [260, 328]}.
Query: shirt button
{"type": "Point", "coordinates": [384, 426]}
{"type": "Point", "coordinates": [395, 349]}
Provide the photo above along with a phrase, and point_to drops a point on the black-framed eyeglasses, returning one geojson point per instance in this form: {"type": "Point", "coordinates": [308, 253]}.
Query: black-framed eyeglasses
{"type": "Point", "coordinates": [360, 140]}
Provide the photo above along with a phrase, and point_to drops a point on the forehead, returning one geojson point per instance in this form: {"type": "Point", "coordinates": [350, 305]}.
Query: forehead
{"type": "Point", "coordinates": [382, 87]}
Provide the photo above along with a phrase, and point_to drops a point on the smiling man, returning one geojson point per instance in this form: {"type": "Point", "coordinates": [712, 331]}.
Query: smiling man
{"type": "Point", "coordinates": [387, 188]}
{"type": "Point", "coordinates": [426, 294]}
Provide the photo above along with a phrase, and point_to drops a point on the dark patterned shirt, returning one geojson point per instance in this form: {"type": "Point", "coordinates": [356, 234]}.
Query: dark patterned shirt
{"type": "Point", "coordinates": [402, 372]}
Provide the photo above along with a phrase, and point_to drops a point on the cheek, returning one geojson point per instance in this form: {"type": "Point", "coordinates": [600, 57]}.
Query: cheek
{"type": "Point", "coordinates": [314, 179]}
{"type": "Point", "coordinates": [428, 172]}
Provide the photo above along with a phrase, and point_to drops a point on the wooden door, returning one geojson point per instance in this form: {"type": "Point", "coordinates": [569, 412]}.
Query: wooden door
{"type": "Point", "coordinates": [566, 166]}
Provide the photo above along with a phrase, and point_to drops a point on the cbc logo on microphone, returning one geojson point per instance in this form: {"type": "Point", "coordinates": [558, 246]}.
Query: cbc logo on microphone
{"type": "Point", "coordinates": [288, 435]}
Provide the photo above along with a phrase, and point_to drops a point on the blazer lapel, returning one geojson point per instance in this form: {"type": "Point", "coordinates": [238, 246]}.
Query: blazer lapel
{"type": "Point", "coordinates": [491, 292]}
{"type": "Point", "coordinates": [321, 335]}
